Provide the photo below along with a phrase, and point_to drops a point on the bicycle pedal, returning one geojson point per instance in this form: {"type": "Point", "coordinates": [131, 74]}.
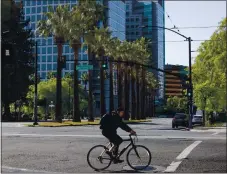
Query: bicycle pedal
{"type": "Point", "coordinates": [116, 161]}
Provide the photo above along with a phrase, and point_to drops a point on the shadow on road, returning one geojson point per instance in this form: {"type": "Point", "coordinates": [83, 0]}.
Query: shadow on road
{"type": "Point", "coordinates": [121, 171]}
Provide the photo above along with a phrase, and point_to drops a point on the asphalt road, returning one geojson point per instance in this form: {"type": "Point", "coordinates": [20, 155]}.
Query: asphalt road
{"type": "Point", "coordinates": [64, 150]}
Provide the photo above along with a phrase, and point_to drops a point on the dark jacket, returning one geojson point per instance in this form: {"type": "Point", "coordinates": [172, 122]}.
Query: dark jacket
{"type": "Point", "coordinates": [110, 122]}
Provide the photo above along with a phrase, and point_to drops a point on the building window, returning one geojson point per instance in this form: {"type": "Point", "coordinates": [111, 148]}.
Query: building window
{"type": "Point", "coordinates": [28, 3]}
{"type": "Point", "coordinates": [49, 67]}
{"type": "Point", "coordinates": [49, 50]}
{"type": "Point", "coordinates": [33, 18]}
{"type": "Point", "coordinates": [33, 10]}
{"type": "Point", "coordinates": [55, 49]}
{"type": "Point", "coordinates": [54, 58]}
{"type": "Point", "coordinates": [38, 17]}
{"type": "Point", "coordinates": [67, 49]}
{"type": "Point", "coordinates": [54, 66]}
{"type": "Point", "coordinates": [44, 8]}
{"type": "Point", "coordinates": [72, 66]}
{"type": "Point", "coordinates": [49, 41]}
{"type": "Point", "coordinates": [33, 26]}
{"type": "Point", "coordinates": [38, 67]}
{"type": "Point", "coordinates": [43, 67]}
{"type": "Point", "coordinates": [43, 75]}
{"type": "Point", "coordinates": [44, 50]}
{"type": "Point", "coordinates": [28, 11]}
{"type": "Point", "coordinates": [45, 2]}
{"type": "Point", "coordinates": [43, 58]}
{"type": "Point", "coordinates": [50, 2]}
{"type": "Point", "coordinates": [67, 66]}
{"type": "Point", "coordinates": [127, 20]}
{"type": "Point", "coordinates": [33, 3]}
{"type": "Point", "coordinates": [39, 10]}
{"type": "Point", "coordinates": [49, 58]}
{"type": "Point", "coordinates": [39, 2]}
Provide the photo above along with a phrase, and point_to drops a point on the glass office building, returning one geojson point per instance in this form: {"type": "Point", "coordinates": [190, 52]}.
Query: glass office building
{"type": "Point", "coordinates": [47, 50]}
{"type": "Point", "coordinates": [143, 13]}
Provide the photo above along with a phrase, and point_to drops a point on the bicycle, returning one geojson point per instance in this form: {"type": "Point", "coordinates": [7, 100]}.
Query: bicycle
{"type": "Point", "coordinates": [105, 158]}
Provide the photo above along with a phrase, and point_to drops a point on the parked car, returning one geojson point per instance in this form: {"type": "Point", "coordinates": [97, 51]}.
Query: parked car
{"type": "Point", "coordinates": [197, 119]}
{"type": "Point", "coordinates": [180, 119]}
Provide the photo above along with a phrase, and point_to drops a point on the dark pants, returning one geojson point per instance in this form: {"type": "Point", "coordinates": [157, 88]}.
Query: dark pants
{"type": "Point", "coordinates": [113, 138]}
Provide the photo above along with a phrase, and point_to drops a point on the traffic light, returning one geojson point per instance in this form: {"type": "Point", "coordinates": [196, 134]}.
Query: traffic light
{"type": "Point", "coordinates": [63, 61]}
{"type": "Point", "coordinates": [189, 92]}
{"type": "Point", "coordinates": [105, 64]}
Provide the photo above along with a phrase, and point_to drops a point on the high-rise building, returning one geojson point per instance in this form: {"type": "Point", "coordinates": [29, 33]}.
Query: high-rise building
{"type": "Point", "coordinates": [141, 19]}
{"type": "Point", "coordinates": [174, 85]}
{"type": "Point", "coordinates": [47, 50]}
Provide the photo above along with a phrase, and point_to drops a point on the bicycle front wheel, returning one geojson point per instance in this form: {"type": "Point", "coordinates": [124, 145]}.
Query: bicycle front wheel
{"type": "Point", "coordinates": [139, 157]}
{"type": "Point", "coordinates": [98, 159]}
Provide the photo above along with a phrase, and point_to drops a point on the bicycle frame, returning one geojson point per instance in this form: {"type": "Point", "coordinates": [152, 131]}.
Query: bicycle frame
{"type": "Point", "coordinates": [123, 150]}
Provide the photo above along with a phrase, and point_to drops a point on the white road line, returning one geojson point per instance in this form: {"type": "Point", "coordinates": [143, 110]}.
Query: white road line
{"type": "Point", "coordinates": [15, 169]}
{"type": "Point", "coordinates": [174, 165]}
{"type": "Point", "coordinates": [124, 136]}
{"type": "Point", "coordinates": [21, 169]}
{"type": "Point", "coordinates": [215, 133]}
{"type": "Point", "coordinates": [188, 150]}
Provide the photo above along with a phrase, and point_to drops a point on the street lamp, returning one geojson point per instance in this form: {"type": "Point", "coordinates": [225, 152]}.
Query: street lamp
{"type": "Point", "coordinates": [190, 68]}
{"type": "Point", "coordinates": [51, 106]}
{"type": "Point", "coordinates": [36, 83]}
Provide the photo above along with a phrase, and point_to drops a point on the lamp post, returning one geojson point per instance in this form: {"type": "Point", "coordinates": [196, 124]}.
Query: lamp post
{"type": "Point", "coordinates": [36, 81]}
{"type": "Point", "coordinates": [190, 69]}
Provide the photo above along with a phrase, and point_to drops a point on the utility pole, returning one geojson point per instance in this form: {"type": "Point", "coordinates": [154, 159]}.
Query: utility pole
{"type": "Point", "coordinates": [190, 85]}
{"type": "Point", "coordinates": [36, 81]}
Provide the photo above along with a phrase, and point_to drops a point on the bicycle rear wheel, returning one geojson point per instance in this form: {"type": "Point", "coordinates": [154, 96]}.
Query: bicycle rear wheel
{"type": "Point", "coordinates": [138, 157]}
{"type": "Point", "coordinates": [98, 159]}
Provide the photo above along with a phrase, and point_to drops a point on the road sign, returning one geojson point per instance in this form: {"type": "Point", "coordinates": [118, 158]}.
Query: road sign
{"type": "Point", "coordinates": [84, 67]}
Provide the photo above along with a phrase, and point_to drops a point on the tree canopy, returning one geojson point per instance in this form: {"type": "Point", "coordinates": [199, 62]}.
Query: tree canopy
{"type": "Point", "coordinates": [209, 72]}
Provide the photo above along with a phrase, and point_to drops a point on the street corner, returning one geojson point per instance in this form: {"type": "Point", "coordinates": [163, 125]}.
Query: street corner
{"type": "Point", "coordinates": [150, 169]}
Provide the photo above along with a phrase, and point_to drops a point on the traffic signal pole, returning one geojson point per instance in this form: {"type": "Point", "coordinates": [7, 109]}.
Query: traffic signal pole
{"type": "Point", "coordinates": [190, 85]}
{"type": "Point", "coordinates": [36, 83]}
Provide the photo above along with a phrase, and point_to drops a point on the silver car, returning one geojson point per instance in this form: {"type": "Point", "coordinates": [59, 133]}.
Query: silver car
{"type": "Point", "coordinates": [197, 119]}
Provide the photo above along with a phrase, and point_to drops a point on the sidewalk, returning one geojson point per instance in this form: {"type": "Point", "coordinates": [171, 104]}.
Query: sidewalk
{"type": "Point", "coordinates": [210, 129]}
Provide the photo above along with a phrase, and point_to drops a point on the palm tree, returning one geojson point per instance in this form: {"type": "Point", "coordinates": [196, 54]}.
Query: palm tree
{"type": "Point", "coordinates": [141, 56]}
{"type": "Point", "coordinates": [112, 53]}
{"type": "Point", "coordinates": [56, 25]}
{"type": "Point", "coordinates": [99, 40]}
{"type": "Point", "coordinates": [127, 56]}
{"type": "Point", "coordinates": [84, 18]}
{"type": "Point", "coordinates": [151, 84]}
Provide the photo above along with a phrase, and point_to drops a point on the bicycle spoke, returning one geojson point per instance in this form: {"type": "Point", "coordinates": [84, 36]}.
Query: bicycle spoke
{"type": "Point", "coordinates": [98, 158]}
{"type": "Point", "coordinates": [140, 158]}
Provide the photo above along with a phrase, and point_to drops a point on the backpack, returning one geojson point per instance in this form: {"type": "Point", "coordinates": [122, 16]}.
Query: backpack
{"type": "Point", "coordinates": [103, 121]}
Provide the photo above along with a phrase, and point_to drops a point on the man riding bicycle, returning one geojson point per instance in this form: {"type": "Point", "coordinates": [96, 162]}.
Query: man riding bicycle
{"type": "Point", "coordinates": [109, 124]}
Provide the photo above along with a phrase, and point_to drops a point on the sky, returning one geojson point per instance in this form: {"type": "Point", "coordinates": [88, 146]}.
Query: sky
{"type": "Point", "coordinates": [190, 14]}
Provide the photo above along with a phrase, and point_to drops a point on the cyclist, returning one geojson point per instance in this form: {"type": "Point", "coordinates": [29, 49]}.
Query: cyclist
{"type": "Point", "coordinates": [109, 124]}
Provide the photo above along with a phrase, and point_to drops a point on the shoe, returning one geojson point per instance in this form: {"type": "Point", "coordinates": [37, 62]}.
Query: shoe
{"type": "Point", "coordinates": [109, 153]}
{"type": "Point", "coordinates": [116, 161]}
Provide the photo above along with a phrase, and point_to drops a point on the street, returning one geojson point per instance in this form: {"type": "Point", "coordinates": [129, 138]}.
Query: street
{"type": "Point", "coordinates": [64, 149]}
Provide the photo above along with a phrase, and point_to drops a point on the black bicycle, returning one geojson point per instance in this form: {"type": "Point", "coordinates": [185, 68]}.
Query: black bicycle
{"type": "Point", "coordinates": [138, 156]}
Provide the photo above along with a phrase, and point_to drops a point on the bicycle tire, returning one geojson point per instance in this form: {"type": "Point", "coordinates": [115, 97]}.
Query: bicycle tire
{"type": "Point", "coordinates": [88, 158]}
{"type": "Point", "coordinates": [149, 157]}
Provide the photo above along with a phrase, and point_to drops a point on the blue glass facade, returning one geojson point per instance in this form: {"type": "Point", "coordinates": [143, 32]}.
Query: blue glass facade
{"type": "Point", "coordinates": [47, 50]}
{"type": "Point", "coordinates": [149, 14]}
